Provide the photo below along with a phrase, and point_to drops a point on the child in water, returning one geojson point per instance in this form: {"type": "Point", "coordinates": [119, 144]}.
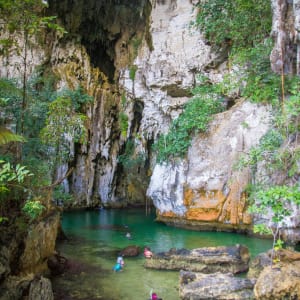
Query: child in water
{"type": "Point", "coordinates": [147, 252]}
{"type": "Point", "coordinates": [120, 264]}
{"type": "Point", "coordinates": [155, 297]}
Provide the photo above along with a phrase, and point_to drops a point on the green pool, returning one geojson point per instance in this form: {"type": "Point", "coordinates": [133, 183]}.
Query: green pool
{"type": "Point", "coordinates": [95, 237]}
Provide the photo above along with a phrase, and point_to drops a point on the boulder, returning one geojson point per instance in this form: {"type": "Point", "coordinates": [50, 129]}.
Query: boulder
{"type": "Point", "coordinates": [199, 286]}
{"type": "Point", "coordinates": [57, 264]}
{"type": "Point", "coordinates": [263, 260]}
{"type": "Point", "coordinates": [131, 251]}
{"type": "Point", "coordinates": [224, 259]}
{"type": "Point", "coordinates": [280, 281]}
{"type": "Point", "coordinates": [257, 264]}
{"type": "Point", "coordinates": [40, 289]}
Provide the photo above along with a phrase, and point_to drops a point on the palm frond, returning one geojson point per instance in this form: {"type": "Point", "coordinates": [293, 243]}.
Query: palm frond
{"type": "Point", "coordinates": [7, 136]}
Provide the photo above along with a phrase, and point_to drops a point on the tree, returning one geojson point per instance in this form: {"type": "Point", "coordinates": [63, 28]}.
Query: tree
{"type": "Point", "coordinates": [64, 126]}
{"type": "Point", "coordinates": [23, 23]}
{"type": "Point", "coordinates": [275, 200]}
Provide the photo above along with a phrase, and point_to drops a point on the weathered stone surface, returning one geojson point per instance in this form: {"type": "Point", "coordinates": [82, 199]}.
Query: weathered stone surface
{"type": "Point", "coordinates": [204, 188]}
{"type": "Point", "coordinates": [281, 281]}
{"type": "Point", "coordinates": [257, 264]}
{"type": "Point", "coordinates": [131, 251]}
{"type": "Point", "coordinates": [285, 56]}
{"type": "Point", "coordinates": [41, 289]}
{"type": "Point", "coordinates": [263, 260]}
{"type": "Point", "coordinates": [197, 286]}
{"type": "Point", "coordinates": [57, 264]}
{"type": "Point", "coordinates": [39, 245]}
{"type": "Point", "coordinates": [233, 259]}
{"type": "Point", "coordinates": [14, 287]}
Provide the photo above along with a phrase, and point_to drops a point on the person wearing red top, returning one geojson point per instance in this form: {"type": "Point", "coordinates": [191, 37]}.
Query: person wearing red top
{"type": "Point", "coordinates": [147, 252]}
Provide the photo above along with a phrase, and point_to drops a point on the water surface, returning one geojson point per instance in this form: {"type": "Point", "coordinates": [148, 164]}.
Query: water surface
{"type": "Point", "coordinates": [95, 238]}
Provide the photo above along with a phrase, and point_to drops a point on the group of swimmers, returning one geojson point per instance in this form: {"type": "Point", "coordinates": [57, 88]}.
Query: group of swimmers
{"type": "Point", "coordinates": [118, 267]}
{"type": "Point", "coordinates": [120, 261]}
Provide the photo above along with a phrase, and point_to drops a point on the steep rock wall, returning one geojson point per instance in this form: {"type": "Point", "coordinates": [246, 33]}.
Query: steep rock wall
{"type": "Point", "coordinates": [205, 190]}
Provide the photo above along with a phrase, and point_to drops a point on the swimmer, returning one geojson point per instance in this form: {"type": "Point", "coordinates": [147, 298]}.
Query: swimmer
{"type": "Point", "coordinates": [117, 268]}
{"type": "Point", "coordinates": [155, 297]}
{"type": "Point", "coordinates": [147, 252]}
{"type": "Point", "coordinates": [120, 260]}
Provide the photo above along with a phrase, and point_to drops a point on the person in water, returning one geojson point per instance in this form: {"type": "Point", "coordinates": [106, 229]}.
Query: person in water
{"type": "Point", "coordinates": [155, 297]}
{"type": "Point", "coordinates": [128, 235]}
{"type": "Point", "coordinates": [147, 252]}
{"type": "Point", "coordinates": [120, 264]}
{"type": "Point", "coordinates": [120, 260]}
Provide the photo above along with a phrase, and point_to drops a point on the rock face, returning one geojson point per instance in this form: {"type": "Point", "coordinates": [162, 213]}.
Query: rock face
{"type": "Point", "coordinates": [285, 56]}
{"type": "Point", "coordinates": [24, 255]}
{"type": "Point", "coordinates": [231, 259]}
{"type": "Point", "coordinates": [39, 245]}
{"type": "Point", "coordinates": [41, 289]}
{"type": "Point", "coordinates": [205, 190]}
{"type": "Point", "coordinates": [139, 62]}
{"type": "Point", "coordinates": [197, 286]}
{"type": "Point", "coordinates": [282, 282]}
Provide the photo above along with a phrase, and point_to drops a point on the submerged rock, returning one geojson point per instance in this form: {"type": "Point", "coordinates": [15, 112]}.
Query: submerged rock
{"type": "Point", "coordinates": [198, 286]}
{"type": "Point", "coordinates": [232, 259]}
{"type": "Point", "coordinates": [131, 251]}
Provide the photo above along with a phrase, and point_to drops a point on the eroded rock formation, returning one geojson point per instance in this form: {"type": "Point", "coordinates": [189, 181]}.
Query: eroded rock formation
{"type": "Point", "coordinates": [215, 286]}
{"type": "Point", "coordinates": [230, 259]}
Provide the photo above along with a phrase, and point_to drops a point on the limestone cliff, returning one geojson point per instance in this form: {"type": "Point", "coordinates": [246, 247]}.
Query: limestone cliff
{"type": "Point", "coordinates": [139, 61]}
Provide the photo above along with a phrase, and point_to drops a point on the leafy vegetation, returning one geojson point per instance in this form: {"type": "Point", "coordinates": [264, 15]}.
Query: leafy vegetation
{"type": "Point", "coordinates": [242, 28]}
{"type": "Point", "coordinates": [237, 23]}
{"type": "Point", "coordinates": [195, 118]}
{"type": "Point", "coordinates": [130, 159]}
{"type": "Point", "coordinates": [277, 201]}
{"type": "Point", "coordinates": [123, 121]}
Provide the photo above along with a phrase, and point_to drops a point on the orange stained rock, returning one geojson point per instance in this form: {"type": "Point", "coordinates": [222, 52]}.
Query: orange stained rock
{"type": "Point", "coordinates": [188, 197]}
{"type": "Point", "coordinates": [204, 199]}
{"type": "Point", "coordinates": [169, 214]}
{"type": "Point", "coordinates": [200, 214]}
{"type": "Point", "coordinates": [247, 219]}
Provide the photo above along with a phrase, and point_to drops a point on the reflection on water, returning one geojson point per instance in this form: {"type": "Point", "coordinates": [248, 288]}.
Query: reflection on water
{"type": "Point", "coordinates": [96, 237]}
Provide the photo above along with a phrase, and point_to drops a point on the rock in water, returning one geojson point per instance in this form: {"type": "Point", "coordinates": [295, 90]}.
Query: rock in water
{"type": "Point", "coordinates": [224, 259]}
{"type": "Point", "coordinates": [198, 286]}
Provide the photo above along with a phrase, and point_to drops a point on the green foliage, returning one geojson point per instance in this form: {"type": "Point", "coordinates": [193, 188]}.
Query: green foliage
{"type": "Point", "coordinates": [12, 175]}
{"type": "Point", "coordinates": [33, 208]}
{"type": "Point", "coordinates": [63, 125]}
{"type": "Point", "coordinates": [130, 159]}
{"type": "Point", "coordinates": [3, 219]}
{"type": "Point", "coordinates": [12, 180]}
{"type": "Point", "coordinates": [123, 122]}
{"type": "Point", "coordinates": [274, 147]}
{"type": "Point", "coordinates": [132, 72]}
{"type": "Point", "coordinates": [275, 200]}
{"type": "Point", "coordinates": [78, 97]}
{"type": "Point", "coordinates": [266, 150]}
{"type": "Point", "coordinates": [24, 18]}
{"type": "Point", "coordinates": [195, 118]}
{"type": "Point", "coordinates": [123, 99]}
{"type": "Point", "coordinates": [258, 83]}
{"type": "Point", "coordinates": [238, 23]}
{"type": "Point", "coordinates": [60, 196]}
{"type": "Point", "coordinates": [6, 136]}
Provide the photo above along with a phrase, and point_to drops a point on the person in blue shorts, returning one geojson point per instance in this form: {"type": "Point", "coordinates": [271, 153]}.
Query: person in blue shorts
{"type": "Point", "coordinates": [120, 264]}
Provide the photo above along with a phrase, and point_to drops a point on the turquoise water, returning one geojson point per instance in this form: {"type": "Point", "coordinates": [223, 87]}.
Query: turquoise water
{"type": "Point", "coordinates": [95, 237]}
